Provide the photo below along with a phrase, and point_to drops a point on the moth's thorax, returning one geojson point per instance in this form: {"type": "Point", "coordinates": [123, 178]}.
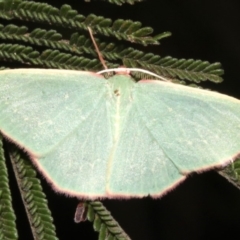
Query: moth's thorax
{"type": "Point", "coordinates": [120, 101]}
{"type": "Point", "coordinates": [121, 86]}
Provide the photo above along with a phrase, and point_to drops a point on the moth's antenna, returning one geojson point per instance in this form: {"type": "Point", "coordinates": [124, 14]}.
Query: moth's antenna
{"type": "Point", "coordinates": [134, 70]}
{"type": "Point", "coordinates": [119, 69]}
{"type": "Point", "coordinates": [97, 49]}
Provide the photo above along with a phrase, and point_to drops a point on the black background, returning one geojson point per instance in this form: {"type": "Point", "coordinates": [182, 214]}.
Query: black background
{"type": "Point", "coordinates": [205, 206]}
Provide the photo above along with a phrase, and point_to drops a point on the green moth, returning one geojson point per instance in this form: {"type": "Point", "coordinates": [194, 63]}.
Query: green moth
{"type": "Point", "coordinates": [93, 137]}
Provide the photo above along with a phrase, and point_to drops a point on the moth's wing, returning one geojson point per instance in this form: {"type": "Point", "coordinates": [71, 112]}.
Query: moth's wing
{"type": "Point", "coordinates": [172, 130]}
{"type": "Point", "coordinates": [60, 117]}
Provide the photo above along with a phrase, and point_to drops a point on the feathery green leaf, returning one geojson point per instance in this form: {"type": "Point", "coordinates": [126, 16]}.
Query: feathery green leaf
{"type": "Point", "coordinates": [69, 18]}
{"type": "Point", "coordinates": [104, 223]}
{"type": "Point", "coordinates": [34, 199]}
{"type": "Point", "coordinates": [8, 228]}
{"type": "Point", "coordinates": [172, 68]}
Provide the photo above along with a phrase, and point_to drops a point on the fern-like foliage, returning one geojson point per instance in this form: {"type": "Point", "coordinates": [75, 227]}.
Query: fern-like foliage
{"type": "Point", "coordinates": [8, 228]}
{"type": "Point", "coordinates": [67, 17]}
{"type": "Point", "coordinates": [78, 44]}
{"type": "Point", "coordinates": [35, 202]}
{"type": "Point", "coordinates": [104, 223]}
{"type": "Point", "coordinates": [48, 58]}
{"type": "Point", "coordinates": [181, 69]}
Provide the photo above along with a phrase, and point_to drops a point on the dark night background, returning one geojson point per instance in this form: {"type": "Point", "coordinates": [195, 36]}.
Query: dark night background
{"type": "Point", "coordinates": [205, 206]}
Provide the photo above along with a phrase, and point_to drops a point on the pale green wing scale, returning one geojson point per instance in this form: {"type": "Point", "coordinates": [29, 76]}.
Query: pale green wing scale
{"type": "Point", "coordinates": [93, 137]}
